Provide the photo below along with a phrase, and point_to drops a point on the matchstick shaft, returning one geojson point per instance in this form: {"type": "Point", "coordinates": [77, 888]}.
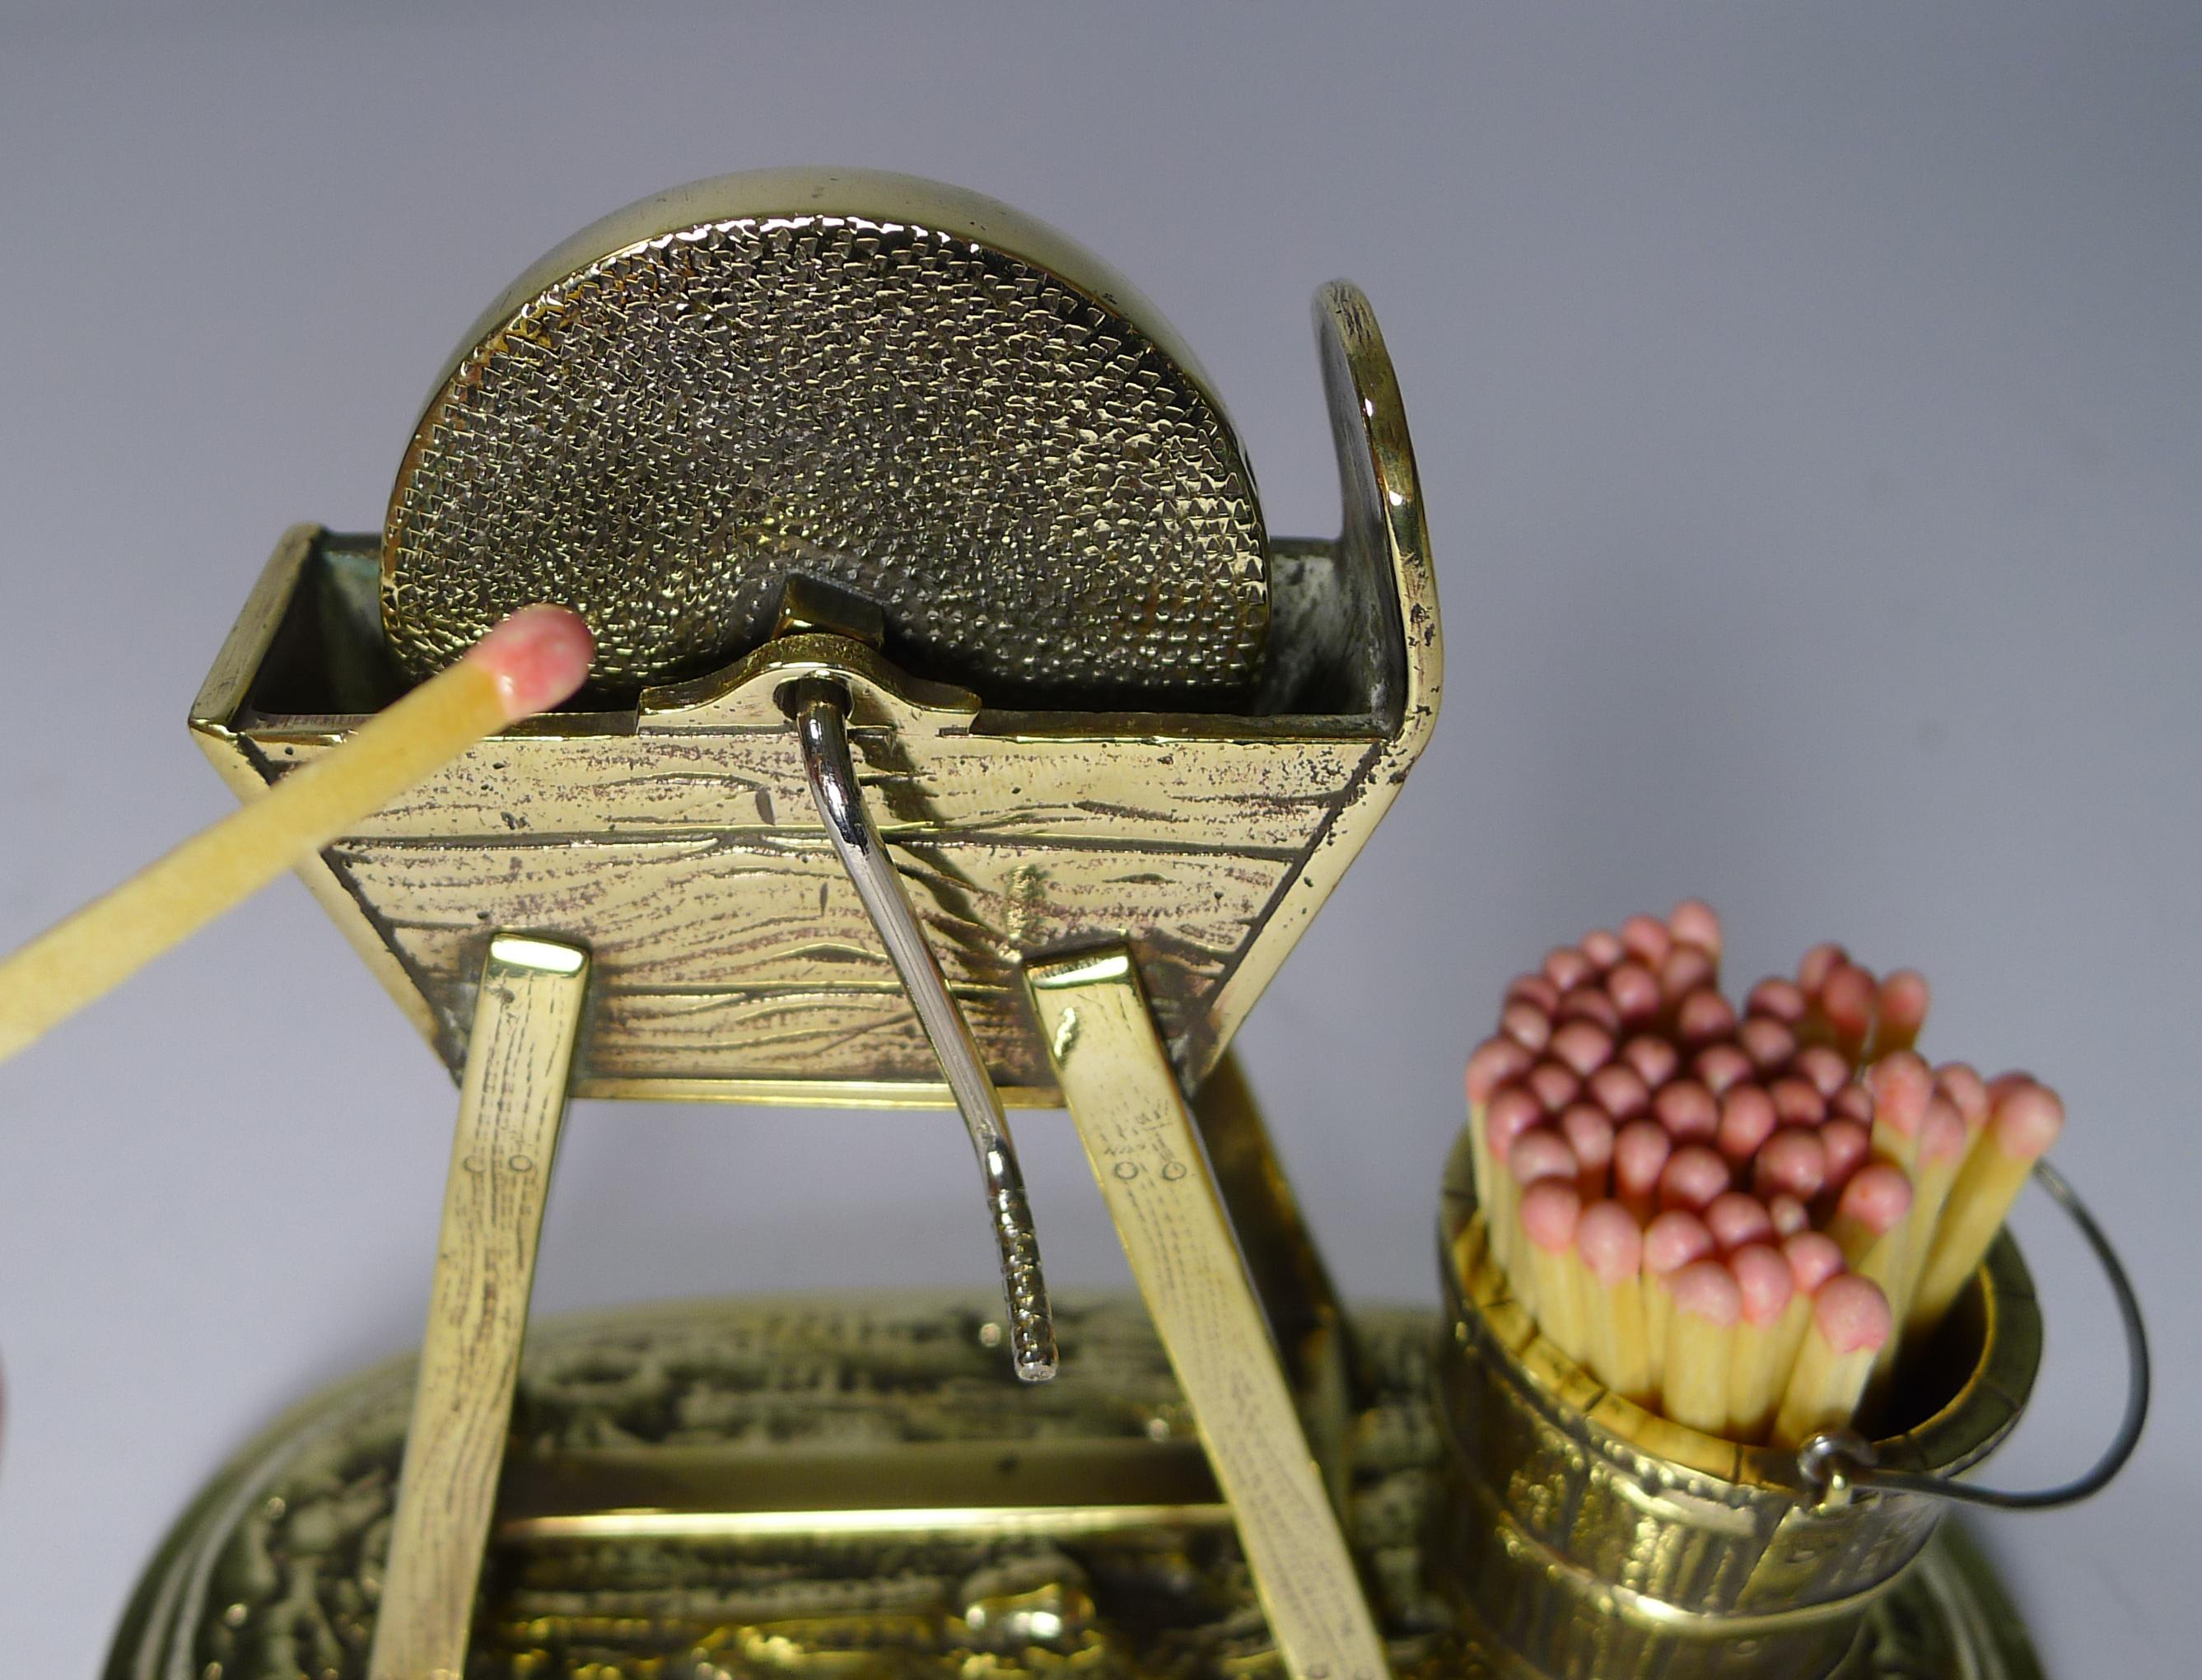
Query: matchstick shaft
{"type": "Point", "coordinates": [84, 957]}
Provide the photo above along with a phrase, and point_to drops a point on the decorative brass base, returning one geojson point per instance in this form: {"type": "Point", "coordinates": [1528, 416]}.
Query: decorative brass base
{"type": "Point", "coordinates": [858, 1485]}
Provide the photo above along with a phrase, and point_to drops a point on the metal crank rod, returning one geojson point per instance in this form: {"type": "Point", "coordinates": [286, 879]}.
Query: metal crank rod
{"type": "Point", "coordinates": [820, 710]}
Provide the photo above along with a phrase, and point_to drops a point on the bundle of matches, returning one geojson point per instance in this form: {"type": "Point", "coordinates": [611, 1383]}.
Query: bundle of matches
{"type": "Point", "coordinates": [1741, 1221]}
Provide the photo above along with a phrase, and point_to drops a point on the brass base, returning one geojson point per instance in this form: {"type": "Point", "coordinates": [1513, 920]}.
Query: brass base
{"type": "Point", "coordinates": [858, 1485]}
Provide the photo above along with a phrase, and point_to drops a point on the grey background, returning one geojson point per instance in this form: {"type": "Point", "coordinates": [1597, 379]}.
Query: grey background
{"type": "Point", "coordinates": [1808, 406]}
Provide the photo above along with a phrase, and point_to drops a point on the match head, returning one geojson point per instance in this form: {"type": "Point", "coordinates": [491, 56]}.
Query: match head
{"type": "Point", "coordinates": [1510, 1112]}
{"type": "Point", "coordinates": [1737, 1219]}
{"type": "Point", "coordinates": [1816, 964]}
{"type": "Point", "coordinates": [1694, 1175]}
{"type": "Point", "coordinates": [1534, 989]}
{"type": "Point", "coordinates": [1491, 1064]}
{"type": "Point", "coordinates": [1902, 1004]}
{"type": "Point", "coordinates": [1794, 1162]}
{"type": "Point", "coordinates": [1813, 1258]}
{"type": "Point", "coordinates": [1694, 922]}
{"type": "Point", "coordinates": [1797, 1102]}
{"type": "Point", "coordinates": [1610, 1241]}
{"type": "Point", "coordinates": [1720, 1067]}
{"type": "Point", "coordinates": [1768, 1043]}
{"type": "Point", "coordinates": [1788, 1215]}
{"type": "Point", "coordinates": [1853, 1102]}
{"type": "Point", "coordinates": [1540, 1154]}
{"type": "Point", "coordinates": [1777, 1000]}
{"type": "Point", "coordinates": [1567, 968]}
{"type": "Point", "coordinates": [1551, 1209]}
{"type": "Point", "coordinates": [1846, 1142]}
{"type": "Point", "coordinates": [1706, 1289]}
{"type": "Point", "coordinates": [1583, 1046]}
{"type": "Point", "coordinates": [1852, 1314]}
{"type": "Point", "coordinates": [1677, 1238]}
{"type": "Point", "coordinates": [1527, 1025]}
{"type": "Point", "coordinates": [1876, 1198]}
{"type": "Point", "coordinates": [1704, 1016]}
{"type": "Point", "coordinates": [1822, 1068]}
{"type": "Point", "coordinates": [1686, 970]}
{"type": "Point", "coordinates": [1589, 1130]}
{"type": "Point", "coordinates": [1641, 1150]}
{"type": "Point", "coordinates": [1901, 1083]}
{"type": "Point", "coordinates": [538, 657]}
{"type": "Point", "coordinates": [1746, 1120]}
{"type": "Point", "coordinates": [1647, 939]}
{"type": "Point", "coordinates": [1942, 1134]}
{"type": "Point", "coordinates": [1620, 1090]}
{"type": "Point", "coordinates": [2026, 1120]}
{"type": "Point", "coordinates": [1603, 947]}
{"type": "Point", "coordinates": [1764, 1282]}
{"type": "Point", "coordinates": [1687, 1110]}
{"type": "Point", "coordinates": [1963, 1087]}
{"type": "Point", "coordinates": [1847, 1001]}
{"type": "Point", "coordinates": [1554, 1084]}
{"type": "Point", "coordinates": [1634, 990]}
{"type": "Point", "coordinates": [1589, 1003]}
{"type": "Point", "coordinates": [1654, 1059]}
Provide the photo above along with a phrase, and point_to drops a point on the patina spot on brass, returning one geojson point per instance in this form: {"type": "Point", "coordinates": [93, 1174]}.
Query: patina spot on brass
{"type": "Point", "coordinates": [1041, 500]}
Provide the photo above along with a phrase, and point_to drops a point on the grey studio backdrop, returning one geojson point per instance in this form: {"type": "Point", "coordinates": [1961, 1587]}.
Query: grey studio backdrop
{"type": "Point", "coordinates": [1807, 407]}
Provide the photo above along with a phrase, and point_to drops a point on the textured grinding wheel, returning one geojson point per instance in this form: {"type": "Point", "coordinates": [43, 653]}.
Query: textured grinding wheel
{"type": "Point", "coordinates": [906, 390]}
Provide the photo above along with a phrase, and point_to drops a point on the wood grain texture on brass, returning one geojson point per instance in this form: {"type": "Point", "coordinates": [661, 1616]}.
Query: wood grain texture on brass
{"type": "Point", "coordinates": [1146, 1153]}
{"type": "Point", "coordinates": [510, 1108]}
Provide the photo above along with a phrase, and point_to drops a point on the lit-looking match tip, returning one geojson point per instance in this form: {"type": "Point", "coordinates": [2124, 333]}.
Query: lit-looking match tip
{"type": "Point", "coordinates": [538, 655]}
{"type": "Point", "coordinates": [1852, 1313]}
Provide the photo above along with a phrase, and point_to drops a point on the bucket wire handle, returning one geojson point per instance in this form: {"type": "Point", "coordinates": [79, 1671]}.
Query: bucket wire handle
{"type": "Point", "coordinates": [1843, 1455]}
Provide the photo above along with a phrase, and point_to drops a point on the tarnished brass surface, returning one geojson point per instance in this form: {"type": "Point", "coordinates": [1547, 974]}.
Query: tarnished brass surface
{"type": "Point", "coordinates": [910, 390]}
{"type": "Point", "coordinates": [960, 1523]}
{"type": "Point", "coordinates": [1597, 1539]}
{"type": "Point", "coordinates": [678, 842]}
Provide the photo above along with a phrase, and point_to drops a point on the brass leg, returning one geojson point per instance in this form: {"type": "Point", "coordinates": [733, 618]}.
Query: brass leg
{"type": "Point", "coordinates": [1124, 1095]}
{"type": "Point", "coordinates": [510, 1109]}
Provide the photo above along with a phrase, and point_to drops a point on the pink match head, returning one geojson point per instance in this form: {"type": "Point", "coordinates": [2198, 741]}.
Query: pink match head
{"type": "Point", "coordinates": [1685, 969]}
{"type": "Point", "coordinates": [1693, 1177]}
{"type": "Point", "coordinates": [1902, 1004]}
{"type": "Point", "coordinates": [1527, 1025]}
{"type": "Point", "coordinates": [1737, 1218]}
{"type": "Point", "coordinates": [1567, 968]}
{"type": "Point", "coordinates": [1675, 1239]}
{"type": "Point", "coordinates": [1720, 1067]}
{"type": "Point", "coordinates": [1491, 1064]}
{"type": "Point", "coordinates": [1510, 1112]}
{"type": "Point", "coordinates": [1763, 1280]}
{"type": "Point", "coordinates": [1640, 1152]}
{"type": "Point", "coordinates": [1703, 1016]}
{"type": "Point", "coordinates": [1847, 1143]}
{"type": "Point", "coordinates": [1589, 1130]}
{"type": "Point", "coordinates": [1746, 1120]}
{"type": "Point", "coordinates": [1694, 922]}
{"type": "Point", "coordinates": [1551, 1207]}
{"type": "Point", "coordinates": [1816, 964]}
{"type": "Point", "coordinates": [1797, 1102]}
{"type": "Point", "coordinates": [1541, 1152]}
{"type": "Point", "coordinates": [1590, 1003]}
{"type": "Point", "coordinates": [1963, 1087]}
{"type": "Point", "coordinates": [1848, 1002]}
{"type": "Point", "coordinates": [1654, 1059]}
{"type": "Point", "coordinates": [1788, 1215]}
{"type": "Point", "coordinates": [1853, 1102]}
{"type": "Point", "coordinates": [538, 657]}
{"type": "Point", "coordinates": [1634, 990]}
{"type": "Point", "coordinates": [1794, 1162]}
{"type": "Point", "coordinates": [1646, 940]}
{"type": "Point", "coordinates": [1767, 1041]}
{"type": "Point", "coordinates": [1901, 1082]}
{"type": "Point", "coordinates": [1603, 947]}
{"type": "Point", "coordinates": [1534, 990]}
{"type": "Point", "coordinates": [1822, 1068]}
{"type": "Point", "coordinates": [1813, 1259]}
{"type": "Point", "coordinates": [1583, 1046]}
{"type": "Point", "coordinates": [1851, 1314]}
{"type": "Point", "coordinates": [1687, 1110]}
{"type": "Point", "coordinates": [1877, 1198]}
{"type": "Point", "coordinates": [1554, 1084]}
{"type": "Point", "coordinates": [1706, 1289]}
{"type": "Point", "coordinates": [1942, 1134]}
{"type": "Point", "coordinates": [1777, 1000]}
{"type": "Point", "coordinates": [1610, 1241]}
{"type": "Point", "coordinates": [2026, 1120]}
{"type": "Point", "coordinates": [1620, 1090]}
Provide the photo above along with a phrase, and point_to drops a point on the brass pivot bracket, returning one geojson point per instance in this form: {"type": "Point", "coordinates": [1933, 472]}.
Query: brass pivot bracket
{"type": "Point", "coordinates": [1145, 1153]}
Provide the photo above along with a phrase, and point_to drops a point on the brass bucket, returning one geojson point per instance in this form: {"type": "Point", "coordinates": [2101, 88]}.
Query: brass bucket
{"type": "Point", "coordinates": [1590, 1538]}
